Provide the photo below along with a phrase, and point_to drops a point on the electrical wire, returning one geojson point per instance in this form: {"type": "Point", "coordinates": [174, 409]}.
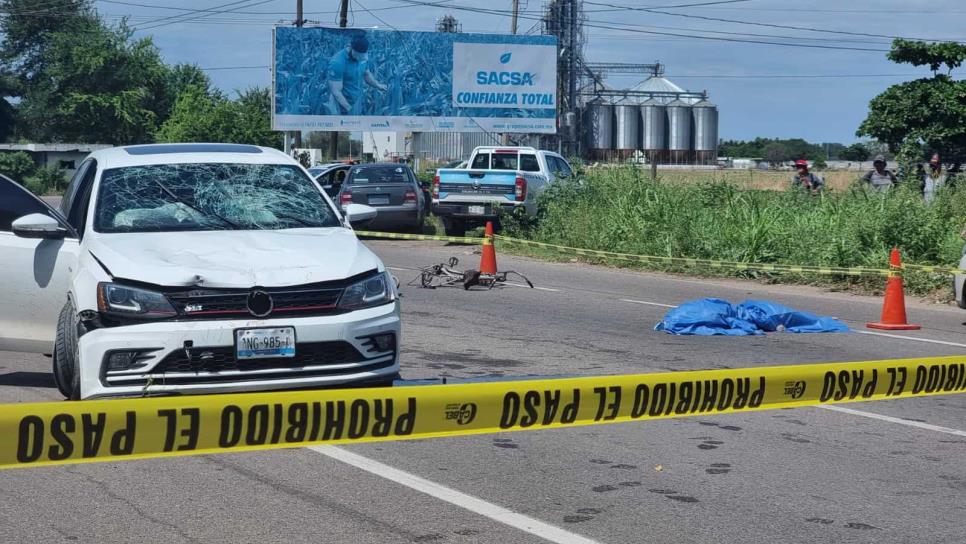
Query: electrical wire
{"type": "Point", "coordinates": [752, 23]}
{"type": "Point", "coordinates": [609, 25]}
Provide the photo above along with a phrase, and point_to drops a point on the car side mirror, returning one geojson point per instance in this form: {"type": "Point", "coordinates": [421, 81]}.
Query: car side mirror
{"type": "Point", "coordinates": [38, 225]}
{"type": "Point", "coordinates": [359, 215]}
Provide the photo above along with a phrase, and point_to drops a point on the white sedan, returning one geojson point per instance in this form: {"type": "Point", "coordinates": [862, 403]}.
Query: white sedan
{"type": "Point", "coordinates": [194, 268]}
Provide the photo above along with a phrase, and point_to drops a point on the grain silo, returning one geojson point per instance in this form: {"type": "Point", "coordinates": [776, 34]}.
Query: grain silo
{"type": "Point", "coordinates": [654, 130]}
{"type": "Point", "coordinates": [705, 132]}
{"type": "Point", "coordinates": [679, 131]}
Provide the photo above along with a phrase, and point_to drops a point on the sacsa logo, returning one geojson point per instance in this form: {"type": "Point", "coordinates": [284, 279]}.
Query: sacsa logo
{"type": "Point", "coordinates": [516, 79]}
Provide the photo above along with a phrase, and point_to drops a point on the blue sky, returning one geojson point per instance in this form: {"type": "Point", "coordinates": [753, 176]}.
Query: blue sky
{"type": "Point", "coordinates": [815, 108]}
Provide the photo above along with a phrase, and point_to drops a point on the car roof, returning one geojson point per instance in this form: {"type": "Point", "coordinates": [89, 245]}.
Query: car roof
{"type": "Point", "coordinates": [141, 155]}
{"type": "Point", "coordinates": [381, 165]}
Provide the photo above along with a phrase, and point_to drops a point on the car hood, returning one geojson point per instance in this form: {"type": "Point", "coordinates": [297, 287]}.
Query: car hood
{"type": "Point", "coordinates": [264, 258]}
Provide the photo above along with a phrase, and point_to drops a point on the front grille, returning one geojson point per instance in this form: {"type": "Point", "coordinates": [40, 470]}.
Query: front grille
{"type": "Point", "coordinates": [300, 301]}
{"type": "Point", "coordinates": [206, 365]}
{"type": "Point", "coordinates": [222, 359]}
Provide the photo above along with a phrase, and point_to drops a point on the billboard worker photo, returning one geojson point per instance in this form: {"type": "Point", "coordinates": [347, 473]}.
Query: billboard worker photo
{"type": "Point", "coordinates": [347, 70]}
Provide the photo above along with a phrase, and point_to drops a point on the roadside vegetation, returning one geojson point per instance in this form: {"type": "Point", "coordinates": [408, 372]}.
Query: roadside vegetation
{"type": "Point", "coordinates": [624, 210]}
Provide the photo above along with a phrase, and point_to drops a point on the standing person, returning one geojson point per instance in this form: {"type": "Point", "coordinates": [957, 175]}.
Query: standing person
{"type": "Point", "coordinates": [933, 177]}
{"type": "Point", "coordinates": [803, 179]}
{"type": "Point", "coordinates": [347, 71]}
{"type": "Point", "coordinates": [879, 178]}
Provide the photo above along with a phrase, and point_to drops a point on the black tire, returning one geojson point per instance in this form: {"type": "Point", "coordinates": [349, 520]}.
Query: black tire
{"type": "Point", "coordinates": [454, 227]}
{"type": "Point", "coordinates": [66, 372]}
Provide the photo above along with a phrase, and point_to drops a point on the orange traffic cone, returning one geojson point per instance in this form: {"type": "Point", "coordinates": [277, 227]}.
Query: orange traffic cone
{"type": "Point", "coordinates": [894, 307]}
{"type": "Point", "coordinates": [488, 259]}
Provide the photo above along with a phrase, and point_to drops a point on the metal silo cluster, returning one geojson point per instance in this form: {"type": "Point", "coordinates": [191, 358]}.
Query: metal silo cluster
{"type": "Point", "coordinates": [666, 129]}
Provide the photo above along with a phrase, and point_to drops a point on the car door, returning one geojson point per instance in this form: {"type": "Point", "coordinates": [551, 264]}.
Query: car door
{"type": "Point", "coordinates": [331, 180]}
{"type": "Point", "coordinates": [34, 273]}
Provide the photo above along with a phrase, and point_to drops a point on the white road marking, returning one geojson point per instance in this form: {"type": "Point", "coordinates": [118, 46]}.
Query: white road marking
{"type": "Point", "coordinates": [917, 339]}
{"type": "Point", "coordinates": [535, 287]}
{"type": "Point", "coordinates": [648, 303]}
{"type": "Point", "coordinates": [401, 268]}
{"type": "Point", "coordinates": [900, 421]}
{"type": "Point", "coordinates": [524, 523]}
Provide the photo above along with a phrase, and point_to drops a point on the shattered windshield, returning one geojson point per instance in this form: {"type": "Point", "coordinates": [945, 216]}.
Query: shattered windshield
{"type": "Point", "coordinates": [171, 197]}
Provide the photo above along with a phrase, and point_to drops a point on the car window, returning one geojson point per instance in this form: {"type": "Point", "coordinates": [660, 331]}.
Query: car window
{"type": "Point", "coordinates": [77, 212]}
{"type": "Point", "coordinates": [75, 182]}
{"type": "Point", "coordinates": [16, 202]}
{"type": "Point", "coordinates": [565, 169]}
{"type": "Point", "coordinates": [481, 161]}
{"type": "Point", "coordinates": [557, 167]}
{"type": "Point", "coordinates": [505, 161]}
{"type": "Point", "coordinates": [216, 196]}
{"type": "Point", "coordinates": [367, 175]}
{"type": "Point", "coordinates": [529, 163]}
{"type": "Point", "coordinates": [333, 177]}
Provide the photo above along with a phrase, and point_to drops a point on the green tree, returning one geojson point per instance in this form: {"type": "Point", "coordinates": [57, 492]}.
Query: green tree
{"type": "Point", "coordinates": [17, 166]}
{"type": "Point", "coordinates": [29, 26]}
{"type": "Point", "coordinates": [924, 113]}
{"type": "Point", "coordinates": [252, 119]}
{"type": "Point", "coordinates": [775, 153]}
{"type": "Point", "coordinates": [8, 114]}
{"type": "Point", "coordinates": [79, 79]}
{"type": "Point", "coordinates": [856, 152]}
{"type": "Point", "coordinates": [198, 116]}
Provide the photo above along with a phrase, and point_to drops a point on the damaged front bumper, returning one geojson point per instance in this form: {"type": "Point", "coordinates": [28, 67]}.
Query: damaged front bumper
{"type": "Point", "coordinates": [198, 357]}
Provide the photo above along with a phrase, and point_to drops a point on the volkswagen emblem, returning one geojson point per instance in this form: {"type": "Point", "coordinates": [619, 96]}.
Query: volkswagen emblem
{"type": "Point", "coordinates": [260, 303]}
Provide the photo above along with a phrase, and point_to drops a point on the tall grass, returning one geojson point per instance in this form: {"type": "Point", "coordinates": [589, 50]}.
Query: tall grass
{"type": "Point", "coordinates": [624, 210]}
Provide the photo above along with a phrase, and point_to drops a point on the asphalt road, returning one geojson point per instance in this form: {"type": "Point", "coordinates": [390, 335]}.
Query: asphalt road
{"type": "Point", "coordinates": [803, 475]}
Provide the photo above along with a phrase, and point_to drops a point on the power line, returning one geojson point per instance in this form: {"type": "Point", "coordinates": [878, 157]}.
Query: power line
{"type": "Point", "coordinates": [752, 23]}
{"type": "Point", "coordinates": [609, 25]}
{"type": "Point", "coordinates": [173, 19]}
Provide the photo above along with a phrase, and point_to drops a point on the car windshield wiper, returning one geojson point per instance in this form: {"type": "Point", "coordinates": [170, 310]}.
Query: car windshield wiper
{"type": "Point", "coordinates": [206, 213]}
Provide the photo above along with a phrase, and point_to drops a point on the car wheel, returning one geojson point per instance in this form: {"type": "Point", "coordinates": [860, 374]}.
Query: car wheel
{"type": "Point", "coordinates": [454, 227]}
{"type": "Point", "coordinates": [65, 359]}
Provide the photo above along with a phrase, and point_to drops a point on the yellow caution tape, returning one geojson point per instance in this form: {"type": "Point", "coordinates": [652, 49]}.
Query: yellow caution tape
{"type": "Point", "coordinates": [677, 261]}
{"type": "Point", "coordinates": [425, 237]}
{"type": "Point", "coordinates": [110, 430]}
{"type": "Point", "coordinates": [706, 263]}
{"type": "Point", "coordinates": [933, 269]}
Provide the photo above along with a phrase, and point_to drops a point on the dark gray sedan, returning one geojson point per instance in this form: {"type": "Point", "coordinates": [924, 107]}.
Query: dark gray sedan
{"type": "Point", "coordinates": [390, 188]}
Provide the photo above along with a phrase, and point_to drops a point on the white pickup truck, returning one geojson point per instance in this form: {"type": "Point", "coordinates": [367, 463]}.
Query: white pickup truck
{"type": "Point", "coordinates": [496, 181]}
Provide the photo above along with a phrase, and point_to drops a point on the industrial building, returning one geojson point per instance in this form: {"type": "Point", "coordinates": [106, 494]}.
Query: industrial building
{"type": "Point", "coordinates": [654, 122]}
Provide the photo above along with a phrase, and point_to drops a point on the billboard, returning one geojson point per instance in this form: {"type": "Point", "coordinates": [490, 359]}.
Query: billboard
{"type": "Point", "coordinates": [337, 79]}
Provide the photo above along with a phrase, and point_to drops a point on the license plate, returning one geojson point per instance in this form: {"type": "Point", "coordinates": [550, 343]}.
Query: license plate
{"type": "Point", "coordinates": [378, 200]}
{"type": "Point", "coordinates": [265, 343]}
{"type": "Point", "coordinates": [477, 210]}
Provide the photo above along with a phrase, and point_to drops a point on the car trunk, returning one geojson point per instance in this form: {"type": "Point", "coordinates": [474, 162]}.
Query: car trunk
{"type": "Point", "coordinates": [381, 194]}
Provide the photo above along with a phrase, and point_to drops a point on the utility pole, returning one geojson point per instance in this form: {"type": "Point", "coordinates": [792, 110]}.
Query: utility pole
{"type": "Point", "coordinates": [343, 22]}
{"type": "Point", "coordinates": [505, 140]}
{"type": "Point", "coordinates": [516, 14]}
{"type": "Point", "coordinates": [297, 135]}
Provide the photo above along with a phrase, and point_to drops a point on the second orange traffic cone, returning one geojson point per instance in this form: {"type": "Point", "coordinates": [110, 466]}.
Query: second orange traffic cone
{"type": "Point", "coordinates": [894, 307]}
{"type": "Point", "coordinates": [488, 259]}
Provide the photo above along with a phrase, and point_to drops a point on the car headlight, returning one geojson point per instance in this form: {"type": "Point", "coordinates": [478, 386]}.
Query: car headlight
{"type": "Point", "coordinates": [373, 291]}
{"type": "Point", "coordinates": [121, 300]}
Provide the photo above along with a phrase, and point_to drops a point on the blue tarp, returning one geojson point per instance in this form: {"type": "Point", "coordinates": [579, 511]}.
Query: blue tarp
{"type": "Point", "coordinates": [712, 316]}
